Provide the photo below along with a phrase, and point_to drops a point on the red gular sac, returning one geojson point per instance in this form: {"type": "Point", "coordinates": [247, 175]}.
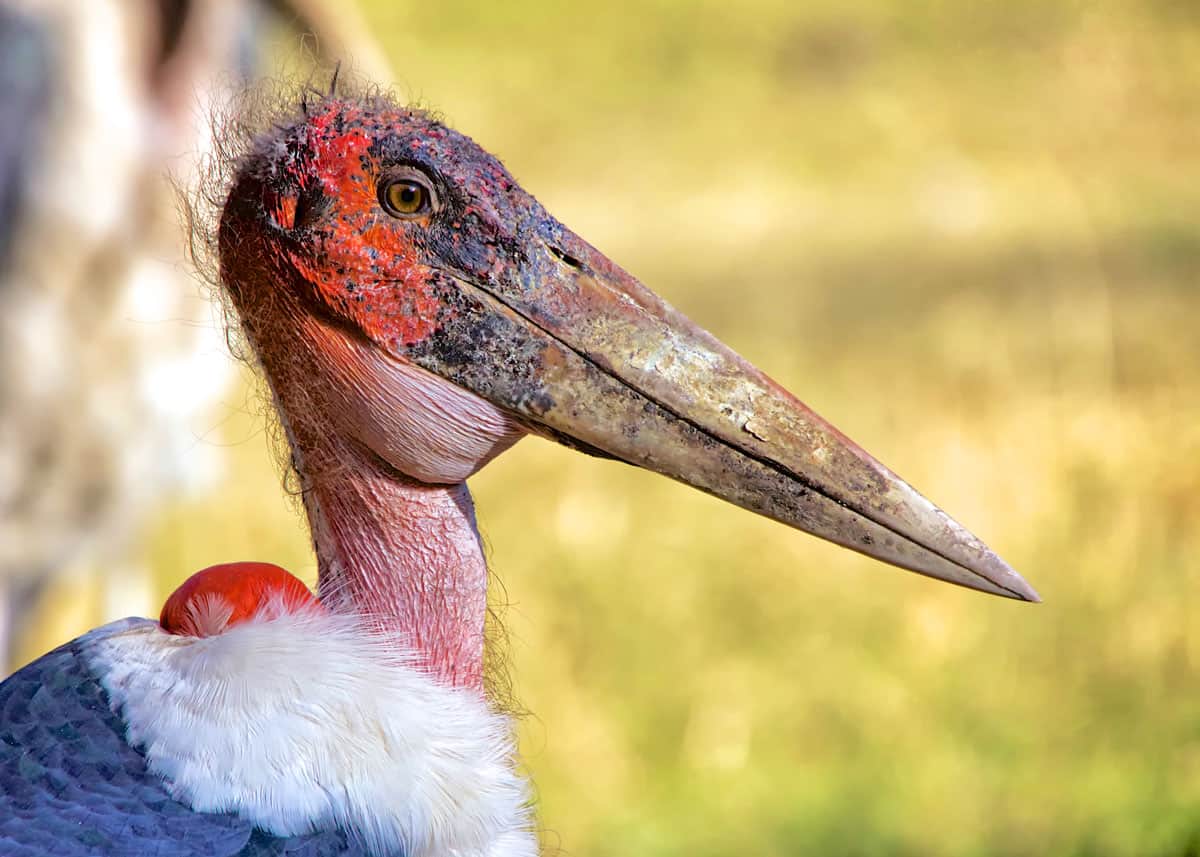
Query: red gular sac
{"type": "Point", "coordinates": [214, 600]}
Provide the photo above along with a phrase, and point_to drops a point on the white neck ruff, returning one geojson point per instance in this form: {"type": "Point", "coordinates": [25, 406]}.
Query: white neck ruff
{"type": "Point", "coordinates": [307, 721]}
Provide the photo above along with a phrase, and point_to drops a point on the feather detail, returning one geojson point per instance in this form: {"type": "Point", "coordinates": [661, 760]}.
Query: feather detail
{"type": "Point", "coordinates": [306, 721]}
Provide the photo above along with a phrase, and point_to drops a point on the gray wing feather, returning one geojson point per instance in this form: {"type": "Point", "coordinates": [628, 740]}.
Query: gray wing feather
{"type": "Point", "coordinates": [73, 786]}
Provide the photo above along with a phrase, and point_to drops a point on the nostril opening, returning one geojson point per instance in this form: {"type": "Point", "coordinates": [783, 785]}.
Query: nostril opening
{"type": "Point", "coordinates": [565, 257]}
{"type": "Point", "coordinates": [309, 207]}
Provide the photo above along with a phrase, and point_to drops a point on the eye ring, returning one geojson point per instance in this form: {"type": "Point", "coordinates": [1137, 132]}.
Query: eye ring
{"type": "Point", "coordinates": [407, 195]}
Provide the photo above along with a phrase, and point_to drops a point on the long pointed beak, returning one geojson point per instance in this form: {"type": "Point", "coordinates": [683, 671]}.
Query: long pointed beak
{"type": "Point", "coordinates": [585, 354]}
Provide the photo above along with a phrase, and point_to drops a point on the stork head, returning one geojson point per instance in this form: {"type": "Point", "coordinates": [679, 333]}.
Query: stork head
{"type": "Point", "coordinates": [434, 312]}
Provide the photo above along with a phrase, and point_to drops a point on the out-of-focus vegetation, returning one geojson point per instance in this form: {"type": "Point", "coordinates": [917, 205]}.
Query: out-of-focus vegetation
{"type": "Point", "coordinates": [968, 234]}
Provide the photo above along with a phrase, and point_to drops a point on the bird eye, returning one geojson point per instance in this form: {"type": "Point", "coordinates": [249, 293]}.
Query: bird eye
{"type": "Point", "coordinates": [405, 197]}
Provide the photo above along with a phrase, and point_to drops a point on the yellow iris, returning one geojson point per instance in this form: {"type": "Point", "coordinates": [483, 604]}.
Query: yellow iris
{"type": "Point", "coordinates": [405, 197]}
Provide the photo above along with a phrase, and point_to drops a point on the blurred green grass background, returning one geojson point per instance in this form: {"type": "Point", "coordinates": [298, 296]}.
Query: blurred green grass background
{"type": "Point", "coordinates": [967, 234]}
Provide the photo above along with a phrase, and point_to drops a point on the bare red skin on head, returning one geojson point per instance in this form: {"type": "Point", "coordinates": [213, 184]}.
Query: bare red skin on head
{"type": "Point", "coordinates": [245, 587]}
{"type": "Point", "coordinates": [366, 269]}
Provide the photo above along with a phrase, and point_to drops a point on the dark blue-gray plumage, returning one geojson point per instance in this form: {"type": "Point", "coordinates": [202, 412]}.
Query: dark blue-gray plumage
{"type": "Point", "coordinates": [73, 785]}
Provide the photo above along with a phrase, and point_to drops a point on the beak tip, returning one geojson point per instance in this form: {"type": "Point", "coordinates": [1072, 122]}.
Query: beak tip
{"type": "Point", "coordinates": [993, 578]}
{"type": "Point", "coordinates": [1012, 585]}
{"type": "Point", "coordinates": [1025, 592]}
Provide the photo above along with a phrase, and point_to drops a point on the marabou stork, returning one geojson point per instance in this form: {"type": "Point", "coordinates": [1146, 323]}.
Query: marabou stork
{"type": "Point", "coordinates": [415, 313]}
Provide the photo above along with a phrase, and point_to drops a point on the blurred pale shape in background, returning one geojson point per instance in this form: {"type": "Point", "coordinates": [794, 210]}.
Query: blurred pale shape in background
{"type": "Point", "coordinates": [111, 354]}
{"type": "Point", "coordinates": [966, 233]}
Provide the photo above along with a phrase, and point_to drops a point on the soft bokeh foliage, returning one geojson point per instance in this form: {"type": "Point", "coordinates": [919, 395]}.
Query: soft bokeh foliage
{"type": "Point", "coordinates": [966, 233]}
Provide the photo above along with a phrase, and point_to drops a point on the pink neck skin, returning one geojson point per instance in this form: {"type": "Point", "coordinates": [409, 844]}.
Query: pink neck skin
{"type": "Point", "coordinates": [403, 553]}
{"type": "Point", "coordinates": [383, 450]}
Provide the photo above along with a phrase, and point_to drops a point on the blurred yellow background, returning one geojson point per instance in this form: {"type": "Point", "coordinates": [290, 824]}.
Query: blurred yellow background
{"type": "Point", "coordinates": [966, 233]}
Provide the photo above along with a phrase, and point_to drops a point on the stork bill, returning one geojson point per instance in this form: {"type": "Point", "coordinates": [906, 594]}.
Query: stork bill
{"type": "Point", "coordinates": [419, 245]}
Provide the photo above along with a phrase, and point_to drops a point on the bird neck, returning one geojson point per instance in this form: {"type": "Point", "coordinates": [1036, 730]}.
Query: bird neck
{"type": "Point", "coordinates": [404, 554]}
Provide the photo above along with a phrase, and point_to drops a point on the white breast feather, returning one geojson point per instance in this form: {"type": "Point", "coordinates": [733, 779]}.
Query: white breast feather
{"type": "Point", "coordinates": [305, 721]}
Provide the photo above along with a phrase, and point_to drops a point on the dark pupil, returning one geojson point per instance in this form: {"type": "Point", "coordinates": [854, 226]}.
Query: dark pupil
{"type": "Point", "coordinates": [407, 196]}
